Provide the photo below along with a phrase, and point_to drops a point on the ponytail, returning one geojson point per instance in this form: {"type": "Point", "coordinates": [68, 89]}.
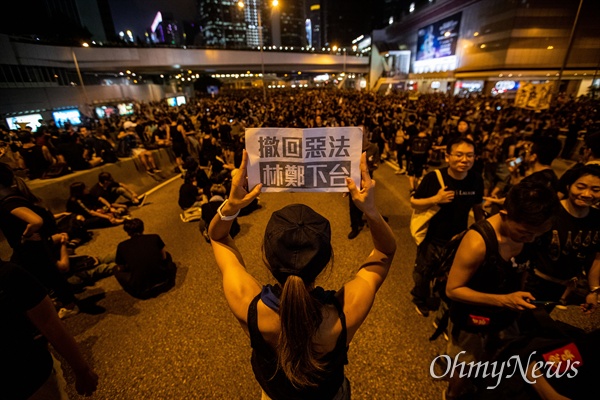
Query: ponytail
{"type": "Point", "coordinates": [300, 316]}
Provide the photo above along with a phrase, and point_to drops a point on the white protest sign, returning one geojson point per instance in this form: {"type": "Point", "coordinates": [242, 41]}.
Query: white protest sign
{"type": "Point", "coordinates": [303, 160]}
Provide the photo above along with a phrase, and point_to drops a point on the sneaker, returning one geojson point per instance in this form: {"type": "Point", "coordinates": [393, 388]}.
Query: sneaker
{"type": "Point", "coordinates": [67, 312]}
{"type": "Point", "coordinates": [183, 218]}
{"type": "Point", "coordinates": [435, 325]}
{"type": "Point", "coordinates": [400, 171]}
{"type": "Point", "coordinates": [142, 200]}
{"type": "Point", "coordinates": [422, 311]}
{"type": "Point", "coordinates": [150, 172]}
{"type": "Point", "coordinates": [562, 305]}
{"type": "Point", "coordinates": [353, 233]}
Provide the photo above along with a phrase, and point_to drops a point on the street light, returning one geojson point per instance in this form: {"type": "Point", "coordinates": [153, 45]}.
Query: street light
{"type": "Point", "coordinates": [274, 3]}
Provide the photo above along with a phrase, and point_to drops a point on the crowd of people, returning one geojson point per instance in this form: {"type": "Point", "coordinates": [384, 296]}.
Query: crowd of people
{"type": "Point", "coordinates": [534, 243]}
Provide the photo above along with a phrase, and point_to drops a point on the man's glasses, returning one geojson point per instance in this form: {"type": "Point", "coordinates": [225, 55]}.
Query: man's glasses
{"type": "Point", "coordinates": [469, 156]}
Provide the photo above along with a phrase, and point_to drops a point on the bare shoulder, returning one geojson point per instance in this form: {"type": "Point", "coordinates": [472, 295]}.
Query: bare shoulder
{"type": "Point", "coordinates": [472, 246]}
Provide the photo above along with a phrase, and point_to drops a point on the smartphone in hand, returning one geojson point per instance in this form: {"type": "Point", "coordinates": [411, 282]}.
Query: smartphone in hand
{"type": "Point", "coordinates": [516, 162]}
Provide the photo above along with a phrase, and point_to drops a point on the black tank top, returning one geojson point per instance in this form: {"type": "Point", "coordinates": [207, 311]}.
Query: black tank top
{"type": "Point", "coordinates": [35, 161]}
{"type": "Point", "coordinates": [495, 276]}
{"type": "Point", "coordinates": [274, 382]}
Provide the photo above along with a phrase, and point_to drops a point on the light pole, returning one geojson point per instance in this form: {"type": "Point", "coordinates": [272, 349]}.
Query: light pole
{"type": "Point", "coordinates": [274, 3]}
{"type": "Point", "coordinates": [262, 57]}
{"type": "Point", "coordinates": [565, 59]}
{"type": "Point", "coordinates": [85, 95]}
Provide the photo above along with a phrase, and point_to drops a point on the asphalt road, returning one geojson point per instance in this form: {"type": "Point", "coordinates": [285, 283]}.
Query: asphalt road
{"type": "Point", "coordinates": [186, 344]}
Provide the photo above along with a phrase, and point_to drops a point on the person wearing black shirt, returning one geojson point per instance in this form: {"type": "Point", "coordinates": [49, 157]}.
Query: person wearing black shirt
{"type": "Point", "coordinates": [145, 268]}
{"type": "Point", "coordinates": [571, 249]}
{"type": "Point", "coordinates": [72, 152]}
{"type": "Point", "coordinates": [462, 193]}
{"type": "Point", "coordinates": [31, 370]}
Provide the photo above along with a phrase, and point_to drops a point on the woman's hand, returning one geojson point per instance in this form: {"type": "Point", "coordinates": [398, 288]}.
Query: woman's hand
{"type": "Point", "coordinates": [239, 197]}
{"type": "Point", "coordinates": [364, 198]}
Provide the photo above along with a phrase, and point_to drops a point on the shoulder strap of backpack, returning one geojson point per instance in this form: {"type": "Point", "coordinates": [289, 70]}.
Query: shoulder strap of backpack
{"type": "Point", "coordinates": [440, 178]}
{"type": "Point", "coordinates": [486, 230]}
{"type": "Point", "coordinates": [8, 193]}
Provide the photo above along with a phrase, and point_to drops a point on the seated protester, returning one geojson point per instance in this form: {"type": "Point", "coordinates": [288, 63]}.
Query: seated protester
{"type": "Point", "coordinates": [96, 211]}
{"type": "Point", "coordinates": [145, 269]}
{"type": "Point", "coordinates": [485, 288]}
{"type": "Point", "coordinates": [73, 226]}
{"type": "Point", "coordinates": [30, 231]}
{"type": "Point", "coordinates": [71, 151]}
{"type": "Point", "coordinates": [160, 136]}
{"type": "Point", "coordinates": [32, 157]}
{"type": "Point", "coordinates": [209, 210]}
{"type": "Point", "coordinates": [571, 249]}
{"type": "Point", "coordinates": [88, 141]}
{"type": "Point", "coordinates": [29, 324]}
{"type": "Point", "coordinates": [105, 149]}
{"type": "Point", "coordinates": [220, 171]}
{"type": "Point", "coordinates": [190, 198]}
{"type": "Point", "coordinates": [202, 179]}
{"type": "Point", "coordinates": [130, 145]}
{"type": "Point", "coordinates": [111, 190]}
{"type": "Point", "coordinates": [85, 270]}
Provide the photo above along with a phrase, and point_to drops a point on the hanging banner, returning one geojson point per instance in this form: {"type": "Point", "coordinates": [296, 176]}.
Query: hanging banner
{"type": "Point", "coordinates": [303, 160]}
{"type": "Point", "coordinates": [534, 96]}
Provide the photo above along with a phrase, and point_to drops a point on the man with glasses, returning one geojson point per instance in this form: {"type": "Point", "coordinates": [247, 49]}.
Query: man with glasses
{"type": "Point", "coordinates": [463, 191]}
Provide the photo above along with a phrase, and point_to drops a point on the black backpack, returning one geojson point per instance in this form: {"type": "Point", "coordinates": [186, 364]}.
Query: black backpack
{"type": "Point", "coordinates": [106, 151]}
{"type": "Point", "coordinates": [440, 277]}
{"type": "Point", "coordinates": [420, 145]}
{"type": "Point", "coordinates": [124, 147]}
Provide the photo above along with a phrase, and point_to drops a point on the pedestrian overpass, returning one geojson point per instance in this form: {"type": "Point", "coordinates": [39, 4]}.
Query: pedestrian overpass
{"type": "Point", "coordinates": [165, 60]}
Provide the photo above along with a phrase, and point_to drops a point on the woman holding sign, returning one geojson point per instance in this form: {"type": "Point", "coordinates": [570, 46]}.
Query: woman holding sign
{"type": "Point", "coordinates": [300, 332]}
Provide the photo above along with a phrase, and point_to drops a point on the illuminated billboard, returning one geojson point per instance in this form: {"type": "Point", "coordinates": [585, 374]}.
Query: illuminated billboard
{"type": "Point", "coordinates": [106, 111]}
{"type": "Point", "coordinates": [439, 39]}
{"type": "Point", "coordinates": [32, 120]}
{"type": "Point", "coordinates": [125, 108]}
{"type": "Point", "coordinates": [72, 117]}
{"type": "Point", "coordinates": [176, 101]}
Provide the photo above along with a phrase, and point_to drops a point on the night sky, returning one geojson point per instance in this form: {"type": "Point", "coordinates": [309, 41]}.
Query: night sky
{"type": "Point", "coordinates": [348, 18]}
{"type": "Point", "coordinates": [139, 14]}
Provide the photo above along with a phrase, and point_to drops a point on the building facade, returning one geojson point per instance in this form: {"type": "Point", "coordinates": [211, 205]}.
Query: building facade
{"type": "Point", "coordinates": [223, 24]}
{"type": "Point", "coordinates": [491, 46]}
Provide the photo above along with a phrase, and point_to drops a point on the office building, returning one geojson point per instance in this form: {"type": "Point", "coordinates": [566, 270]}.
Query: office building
{"type": "Point", "coordinates": [223, 24]}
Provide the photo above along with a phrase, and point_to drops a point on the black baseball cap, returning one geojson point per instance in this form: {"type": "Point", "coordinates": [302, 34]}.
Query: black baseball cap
{"type": "Point", "coordinates": [297, 242]}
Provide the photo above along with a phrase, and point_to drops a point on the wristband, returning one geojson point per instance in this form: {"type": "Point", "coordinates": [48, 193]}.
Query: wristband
{"type": "Point", "coordinates": [228, 217]}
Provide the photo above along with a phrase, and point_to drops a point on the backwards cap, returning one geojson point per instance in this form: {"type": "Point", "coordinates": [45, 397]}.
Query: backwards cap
{"type": "Point", "coordinates": [297, 242]}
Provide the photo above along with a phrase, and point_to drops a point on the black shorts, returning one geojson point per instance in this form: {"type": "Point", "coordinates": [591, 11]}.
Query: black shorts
{"type": "Point", "coordinates": [416, 166]}
{"type": "Point", "coordinates": [180, 149]}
